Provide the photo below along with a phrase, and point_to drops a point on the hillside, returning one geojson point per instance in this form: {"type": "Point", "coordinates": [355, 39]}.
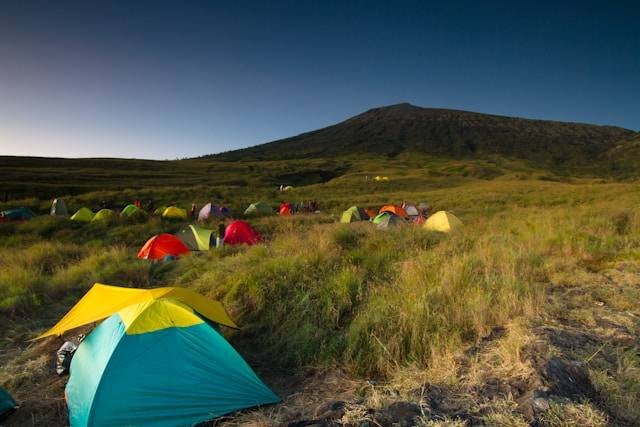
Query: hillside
{"type": "Point", "coordinates": [401, 128]}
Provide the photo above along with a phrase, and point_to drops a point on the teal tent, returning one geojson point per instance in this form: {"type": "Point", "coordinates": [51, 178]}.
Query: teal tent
{"type": "Point", "coordinates": [7, 404]}
{"type": "Point", "coordinates": [159, 363]}
{"type": "Point", "coordinates": [17, 214]}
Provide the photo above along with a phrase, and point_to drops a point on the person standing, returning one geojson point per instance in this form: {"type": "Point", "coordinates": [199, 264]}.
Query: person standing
{"type": "Point", "coordinates": [222, 228]}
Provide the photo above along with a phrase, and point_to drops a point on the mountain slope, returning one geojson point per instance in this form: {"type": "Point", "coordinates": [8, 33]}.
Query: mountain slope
{"type": "Point", "coordinates": [407, 128]}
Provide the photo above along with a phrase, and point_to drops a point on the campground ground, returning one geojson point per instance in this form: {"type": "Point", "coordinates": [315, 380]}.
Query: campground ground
{"type": "Point", "coordinates": [350, 324]}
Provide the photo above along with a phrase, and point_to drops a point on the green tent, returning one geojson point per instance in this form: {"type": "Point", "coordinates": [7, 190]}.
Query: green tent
{"type": "Point", "coordinates": [353, 214]}
{"type": "Point", "coordinates": [195, 238]}
{"type": "Point", "coordinates": [131, 210]}
{"type": "Point", "coordinates": [258, 208]}
{"type": "Point", "coordinates": [387, 219]}
{"type": "Point", "coordinates": [104, 215]}
{"type": "Point", "coordinates": [59, 208]}
{"type": "Point", "coordinates": [159, 211]}
{"type": "Point", "coordinates": [7, 404]}
{"type": "Point", "coordinates": [83, 215]}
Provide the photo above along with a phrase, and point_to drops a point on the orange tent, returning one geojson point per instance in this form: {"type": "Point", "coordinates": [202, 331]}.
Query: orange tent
{"type": "Point", "coordinates": [394, 209]}
{"type": "Point", "coordinates": [161, 245]}
{"type": "Point", "coordinates": [371, 213]}
{"type": "Point", "coordinates": [286, 209]}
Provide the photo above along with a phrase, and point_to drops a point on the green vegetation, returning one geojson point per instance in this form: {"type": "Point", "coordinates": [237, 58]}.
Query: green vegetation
{"type": "Point", "coordinates": [404, 308]}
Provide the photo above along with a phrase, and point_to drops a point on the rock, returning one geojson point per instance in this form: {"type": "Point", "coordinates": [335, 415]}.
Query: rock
{"type": "Point", "coordinates": [569, 379]}
{"type": "Point", "coordinates": [540, 404]}
{"type": "Point", "coordinates": [402, 414]}
{"type": "Point", "coordinates": [331, 410]}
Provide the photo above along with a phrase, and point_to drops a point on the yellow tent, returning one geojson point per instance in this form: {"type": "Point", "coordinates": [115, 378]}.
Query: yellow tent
{"type": "Point", "coordinates": [174, 213]}
{"type": "Point", "coordinates": [104, 300]}
{"type": "Point", "coordinates": [442, 221]}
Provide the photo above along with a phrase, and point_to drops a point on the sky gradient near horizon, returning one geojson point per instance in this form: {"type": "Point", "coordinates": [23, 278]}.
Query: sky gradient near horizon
{"type": "Point", "coordinates": [163, 80]}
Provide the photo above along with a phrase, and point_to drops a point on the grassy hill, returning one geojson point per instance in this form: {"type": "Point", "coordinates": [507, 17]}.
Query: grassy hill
{"type": "Point", "coordinates": [405, 128]}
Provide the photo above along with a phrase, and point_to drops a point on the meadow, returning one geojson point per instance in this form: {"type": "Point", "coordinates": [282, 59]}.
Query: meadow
{"type": "Point", "coordinates": [462, 324]}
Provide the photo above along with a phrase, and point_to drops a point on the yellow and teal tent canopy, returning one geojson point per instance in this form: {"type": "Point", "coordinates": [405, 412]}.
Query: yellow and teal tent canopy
{"type": "Point", "coordinates": [442, 221]}
{"type": "Point", "coordinates": [101, 301]}
{"type": "Point", "coordinates": [173, 212]}
{"type": "Point", "coordinates": [195, 238]}
{"type": "Point", "coordinates": [83, 215]}
{"type": "Point", "coordinates": [158, 361]}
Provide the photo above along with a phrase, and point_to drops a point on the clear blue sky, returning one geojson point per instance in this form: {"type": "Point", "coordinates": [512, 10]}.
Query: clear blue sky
{"type": "Point", "coordinates": [184, 78]}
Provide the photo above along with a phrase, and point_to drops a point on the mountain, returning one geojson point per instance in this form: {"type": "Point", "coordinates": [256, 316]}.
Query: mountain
{"type": "Point", "coordinates": [406, 128]}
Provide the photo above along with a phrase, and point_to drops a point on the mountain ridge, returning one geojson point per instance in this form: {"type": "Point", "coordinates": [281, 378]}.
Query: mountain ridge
{"type": "Point", "coordinates": [394, 129]}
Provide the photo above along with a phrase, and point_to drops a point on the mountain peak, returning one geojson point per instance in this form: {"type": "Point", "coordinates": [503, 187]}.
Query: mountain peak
{"type": "Point", "coordinates": [398, 128]}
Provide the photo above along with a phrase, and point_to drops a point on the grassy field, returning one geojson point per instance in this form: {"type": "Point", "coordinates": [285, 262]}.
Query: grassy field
{"type": "Point", "coordinates": [463, 325]}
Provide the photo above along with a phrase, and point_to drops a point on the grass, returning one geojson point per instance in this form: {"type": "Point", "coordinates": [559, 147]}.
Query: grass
{"type": "Point", "coordinates": [402, 307]}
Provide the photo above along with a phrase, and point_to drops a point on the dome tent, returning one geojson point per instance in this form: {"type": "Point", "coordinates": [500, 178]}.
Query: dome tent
{"type": "Point", "coordinates": [104, 215]}
{"type": "Point", "coordinates": [442, 221]}
{"type": "Point", "coordinates": [258, 208]}
{"type": "Point", "coordinates": [161, 245]}
{"type": "Point", "coordinates": [354, 214]}
{"type": "Point", "coordinates": [394, 209]}
{"type": "Point", "coordinates": [195, 238]}
{"type": "Point", "coordinates": [59, 208]}
{"type": "Point", "coordinates": [286, 209]}
{"type": "Point", "coordinates": [159, 210]}
{"type": "Point", "coordinates": [157, 359]}
{"type": "Point", "coordinates": [388, 219]}
{"type": "Point", "coordinates": [7, 404]}
{"type": "Point", "coordinates": [240, 232]}
{"type": "Point", "coordinates": [173, 212]}
{"type": "Point", "coordinates": [17, 214]}
{"type": "Point", "coordinates": [82, 215]}
{"type": "Point", "coordinates": [131, 210]}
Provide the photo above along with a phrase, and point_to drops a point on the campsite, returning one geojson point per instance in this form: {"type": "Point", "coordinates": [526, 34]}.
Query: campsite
{"type": "Point", "coordinates": [319, 214]}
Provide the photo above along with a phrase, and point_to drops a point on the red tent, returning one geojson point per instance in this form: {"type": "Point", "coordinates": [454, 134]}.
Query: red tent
{"type": "Point", "coordinates": [239, 232]}
{"type": "Point", "coordinates": [286, 209]}
{"type": "Point", "coordinates": [161, 245]}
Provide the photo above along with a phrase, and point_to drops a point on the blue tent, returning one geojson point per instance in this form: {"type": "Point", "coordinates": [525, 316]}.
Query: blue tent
{"type": "Point", "coordinates": [159, 363]}
{"type": "Point", "coordinates": [18, 214]}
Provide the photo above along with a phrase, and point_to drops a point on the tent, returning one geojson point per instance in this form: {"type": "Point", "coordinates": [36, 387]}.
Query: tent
{"type": "Point", "coordinates": [159, 210]}
{"type": "Point", "coordinates": [411, 210]}
{"type": "Point", "coordinates": [286, 209]}
{"type": "Point", "coordinates": [258, 208]}
{"type": "Point", "coordinates": [83, 215]}
{"type": "Point", "coordinates": [207, 211]}
{"type": "Point", "coordinates": [131, 210]}
{"type": "Point", "coordinates": [239, 232]}
{"type": "Point", "coordinates": [371, 213]}
{"type": "Point", "coordinates": [161, 245]}
{"type": "Point", "coordinates": [157, 359]}
{"type": "Point", "coordinates": [287, 188]}
{"type": "Point", "coordinates": [387, 219]}
{"type": "Point", "coordinates": [210, 210]}
{"type": "Point", "coordinates": [104, 215]}
{"type": "Point", "coordinates": [173, 212]}
{"type": "Point", "coordinates": [353, 214]}
{"type": "Point", "coordinates": [17, 214]}
{"type": "Point", "coordinates": [7, 404]}
{"type": "Point", "coordinates": [195, 238]}
{"type": "Point", "coordinates": [394, 209]}
{"type": "Point", "coordinates": [442, 221]}
{"type": "Point", "coordinates": [59, 208]}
